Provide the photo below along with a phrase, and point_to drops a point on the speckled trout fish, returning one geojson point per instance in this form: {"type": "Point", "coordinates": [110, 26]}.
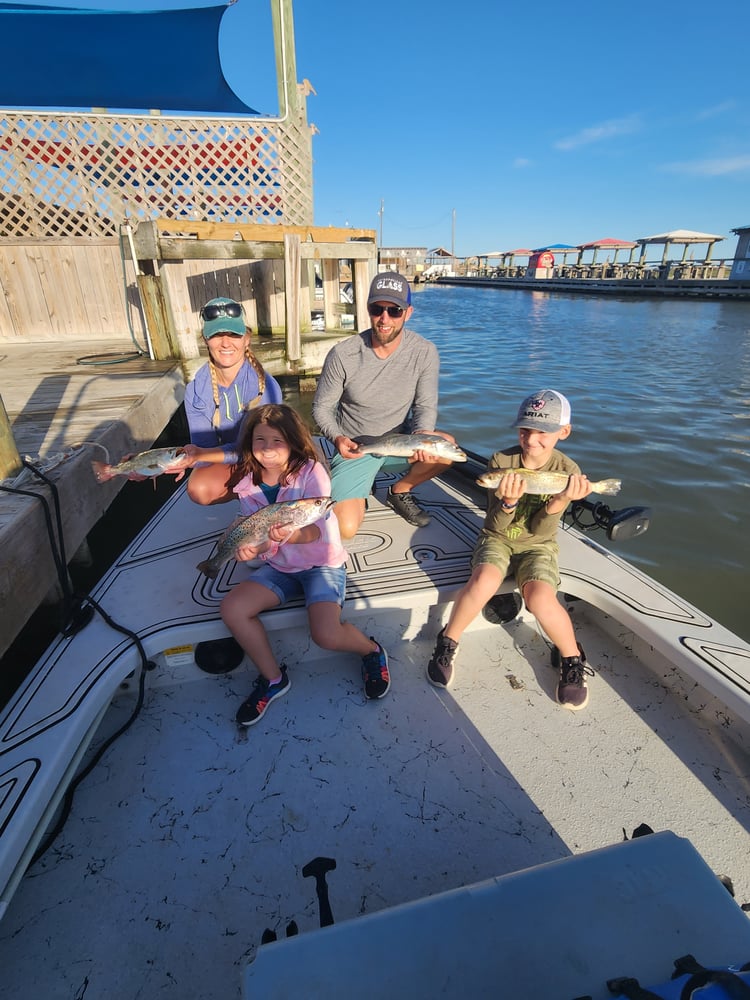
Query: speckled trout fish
{"type": "Point", "coordinates": [253, 529]}
{"type": "Point", "coordinates": [145, 463]}
{"type": "Point", "coordinates": [546, 482]}
{"type": "Point", "coordinates": [404, 446]}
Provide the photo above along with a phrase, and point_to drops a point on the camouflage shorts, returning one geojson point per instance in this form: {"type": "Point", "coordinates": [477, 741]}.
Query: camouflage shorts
{"type": "Point", "coordinates": [537, 563]}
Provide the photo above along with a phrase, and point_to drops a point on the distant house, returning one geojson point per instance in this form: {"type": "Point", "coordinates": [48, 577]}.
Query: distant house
{"type": "Point", "coordinates": [409, 261]}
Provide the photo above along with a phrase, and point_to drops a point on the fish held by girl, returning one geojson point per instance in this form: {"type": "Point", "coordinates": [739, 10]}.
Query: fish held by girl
{"type": "Point", "coordinates": [541, 483]}
{"type": "Point", "coordinates": [253, 529]}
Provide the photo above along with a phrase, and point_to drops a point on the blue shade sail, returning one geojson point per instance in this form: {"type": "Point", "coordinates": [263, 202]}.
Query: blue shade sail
{"type": "Point", "coordinates": [56, 57]}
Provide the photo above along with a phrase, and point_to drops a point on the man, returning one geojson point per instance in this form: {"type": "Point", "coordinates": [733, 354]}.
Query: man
{"type": "Point", "coordinates": [382, 380]}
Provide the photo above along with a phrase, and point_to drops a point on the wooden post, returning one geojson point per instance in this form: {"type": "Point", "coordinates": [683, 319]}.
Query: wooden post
{"type": "Point", "coordinates": [331, 293]}
{"type": "Point", "coordinates": [292, 278]}
{"type": "Point", "coordinates": [156, 313]}
{"type": "Point", "coordinates": [286, 65]}
{"type": "Point", "coordinates": [363, 273]}
{"type": "Point", "coordinates": [10, 460]}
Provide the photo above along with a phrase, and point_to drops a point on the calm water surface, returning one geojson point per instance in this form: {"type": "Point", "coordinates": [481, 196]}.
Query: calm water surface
{"type": "Point", "coordinates": [660, 393]}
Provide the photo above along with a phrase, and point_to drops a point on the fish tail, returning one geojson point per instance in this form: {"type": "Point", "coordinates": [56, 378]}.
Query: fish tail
{"type": "Point", "coordinates": [608, 487]}
{"type": "Point", "coordinates": [208, 568]}
{"type": "Point", "coordinates": [102, 471]}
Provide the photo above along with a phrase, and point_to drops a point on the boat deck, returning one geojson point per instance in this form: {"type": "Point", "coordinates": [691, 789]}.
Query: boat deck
{"type": "Point", "coordinates": [189, 838]}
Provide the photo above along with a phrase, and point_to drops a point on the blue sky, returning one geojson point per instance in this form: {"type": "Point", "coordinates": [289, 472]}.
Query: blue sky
{"type": "Point", "coordinates": [534, 122]}
{"type": "Point", "coordinates": [489, 126]}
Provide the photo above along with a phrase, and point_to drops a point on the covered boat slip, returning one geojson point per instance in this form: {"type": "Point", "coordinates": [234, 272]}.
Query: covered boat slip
{"type": "Point", "coordinates": [189, 839]}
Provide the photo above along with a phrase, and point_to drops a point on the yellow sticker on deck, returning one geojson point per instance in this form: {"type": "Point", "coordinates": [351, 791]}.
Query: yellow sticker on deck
{"type": "Point", "coordinates": [178, 656]}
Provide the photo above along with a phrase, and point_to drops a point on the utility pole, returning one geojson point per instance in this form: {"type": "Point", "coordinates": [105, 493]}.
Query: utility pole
{"type": "Point", "coordinates": [381, 213]}
{"type": "Point", "coordinates": [453, 240]}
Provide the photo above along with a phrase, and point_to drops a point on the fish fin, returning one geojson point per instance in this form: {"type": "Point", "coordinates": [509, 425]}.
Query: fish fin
{"type": "Point", "coordinates": [208, 569]}
{"type": "Point", "coordinates": [608, 487]}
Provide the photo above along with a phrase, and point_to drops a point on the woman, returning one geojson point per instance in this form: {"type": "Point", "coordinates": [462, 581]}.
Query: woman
{"type": "Point", "coordinates": [218, 398]}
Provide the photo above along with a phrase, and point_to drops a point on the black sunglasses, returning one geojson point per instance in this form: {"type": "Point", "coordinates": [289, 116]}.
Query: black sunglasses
{"type": "Point", "coordinates": [393, 311]}
{"type": "Point", "coordinates": [215, 309]}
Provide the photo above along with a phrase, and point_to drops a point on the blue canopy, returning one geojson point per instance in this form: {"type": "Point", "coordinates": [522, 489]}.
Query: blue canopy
{"type": "Point", "coordinates": [555, 246]}
{"type": "Point", "coordinates": [60, 57]}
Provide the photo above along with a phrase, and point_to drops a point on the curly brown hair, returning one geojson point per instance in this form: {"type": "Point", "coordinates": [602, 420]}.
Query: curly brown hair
{"type": "Point", "coordinates": [294, 430]}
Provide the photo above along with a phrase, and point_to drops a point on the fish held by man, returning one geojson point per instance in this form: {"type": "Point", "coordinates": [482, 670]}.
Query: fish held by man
{"type": "Point", "coordinates": [404, 446]}
{"type": "Point", "coordinates": [253, 529]}
{"type": "Point", "coordinates": [146, 463]}
{"type": "Point", "coordinates": [541, 483]}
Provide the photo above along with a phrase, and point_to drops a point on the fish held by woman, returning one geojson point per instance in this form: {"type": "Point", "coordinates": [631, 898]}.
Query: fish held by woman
{"type": "Point", "coordinates": [404, 446]}
{"type": "Point", "coordinates": [146, 463]}
{"type": "Point", "coordinates": [541, 483]}
{"type": "Point", "coordinates": [253, 529]}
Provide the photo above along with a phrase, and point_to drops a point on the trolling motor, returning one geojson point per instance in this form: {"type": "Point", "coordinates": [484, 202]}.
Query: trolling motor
{"type": "Point", "coordinates": [620, 525]}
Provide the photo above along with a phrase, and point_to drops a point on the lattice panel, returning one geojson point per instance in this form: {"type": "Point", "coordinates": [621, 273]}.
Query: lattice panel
{"type": "Point", "coordinates": [83, 175]}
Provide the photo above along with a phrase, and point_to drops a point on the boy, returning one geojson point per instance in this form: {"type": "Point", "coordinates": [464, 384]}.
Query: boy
{"type": "Point", "coordinates": [519, 534]}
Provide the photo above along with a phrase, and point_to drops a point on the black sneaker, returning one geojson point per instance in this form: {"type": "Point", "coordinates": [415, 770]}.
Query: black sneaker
{"type": "Point", "coordinates": [375, 673]}
{"type": "Point", "coordinates": [407, 507]}
{"type": "Point", "coordinates": [440, 667]}
{"type": "Point", "coordinates": [572, 691]}
{"type": "Point", "coordinates": [262, 695]}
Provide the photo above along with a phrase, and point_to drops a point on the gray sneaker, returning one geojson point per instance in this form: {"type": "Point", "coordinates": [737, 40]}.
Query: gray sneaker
{"type": "Point", "coordinates": [440, 667]}
{"type": "Point", "coordinates": [407, 507]}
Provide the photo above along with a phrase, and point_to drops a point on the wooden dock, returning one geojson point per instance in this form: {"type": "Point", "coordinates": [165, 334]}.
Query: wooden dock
{"type": "Point", "coordinates": [54, 402]}
{"type": "Point", "coordinates": [720, 288]}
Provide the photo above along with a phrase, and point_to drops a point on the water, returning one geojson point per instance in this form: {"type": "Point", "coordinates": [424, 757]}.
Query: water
{"type": "Point", "coordinates": [660, 393]}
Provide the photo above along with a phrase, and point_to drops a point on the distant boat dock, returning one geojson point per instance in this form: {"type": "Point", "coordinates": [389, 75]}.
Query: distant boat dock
{"type": "Point", "coordinates": [547, 268]}
{"type": "Point", "coordinates": [667, 286]}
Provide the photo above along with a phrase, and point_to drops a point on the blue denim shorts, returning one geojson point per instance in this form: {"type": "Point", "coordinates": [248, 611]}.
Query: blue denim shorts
{"type": "Point", "coordinates": [352, 478]}
{"type": "Point", "coordinates": [321, 583]}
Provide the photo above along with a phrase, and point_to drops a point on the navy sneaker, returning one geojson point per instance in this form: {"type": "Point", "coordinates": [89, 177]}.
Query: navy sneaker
{"type": "Point", "coordinates": [572, 690]}
{"type": "Point", "coordinates": [375, 672]}
{"type": "Point", "coordinates": [263, 693]}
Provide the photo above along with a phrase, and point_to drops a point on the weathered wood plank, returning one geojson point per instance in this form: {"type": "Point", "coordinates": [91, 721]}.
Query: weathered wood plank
{"type": "Point", "coordinates": [259, 231]}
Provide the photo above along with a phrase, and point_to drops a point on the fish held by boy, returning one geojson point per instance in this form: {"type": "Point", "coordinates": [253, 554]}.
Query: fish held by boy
{"type": "Point", "coordinates": [145, 463]}
{"type": "Point", "coordinates": [404, 446]}
{"type": "Point", "coordinates": [541, 483]}
{"type": "Point", "coordinates": [253, 529]}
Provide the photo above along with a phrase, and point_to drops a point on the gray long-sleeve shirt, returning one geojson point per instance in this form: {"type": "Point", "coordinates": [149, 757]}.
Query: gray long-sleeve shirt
{"type": "Point", "coordinates": [361, 394]}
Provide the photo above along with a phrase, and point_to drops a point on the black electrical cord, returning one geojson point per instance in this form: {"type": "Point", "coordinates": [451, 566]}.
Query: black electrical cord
{"type": "Point", "coordinates": [599, 513]}
{"type": "Point", "coordinates": [78, 611]}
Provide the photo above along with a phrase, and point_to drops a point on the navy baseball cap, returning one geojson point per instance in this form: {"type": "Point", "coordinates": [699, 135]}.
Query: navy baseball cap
{"type": "Point", "coordinates": [390, 287]}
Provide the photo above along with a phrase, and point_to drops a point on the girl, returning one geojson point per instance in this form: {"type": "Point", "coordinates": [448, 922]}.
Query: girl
{"type": "Point", "coordinates": [278, 462]}
{"type": "Point", "coordinates": [231, 383]}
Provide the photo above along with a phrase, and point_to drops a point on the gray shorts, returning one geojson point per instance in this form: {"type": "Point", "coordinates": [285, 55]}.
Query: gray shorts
{"type": "Point", "coordinates": [537, 563]}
